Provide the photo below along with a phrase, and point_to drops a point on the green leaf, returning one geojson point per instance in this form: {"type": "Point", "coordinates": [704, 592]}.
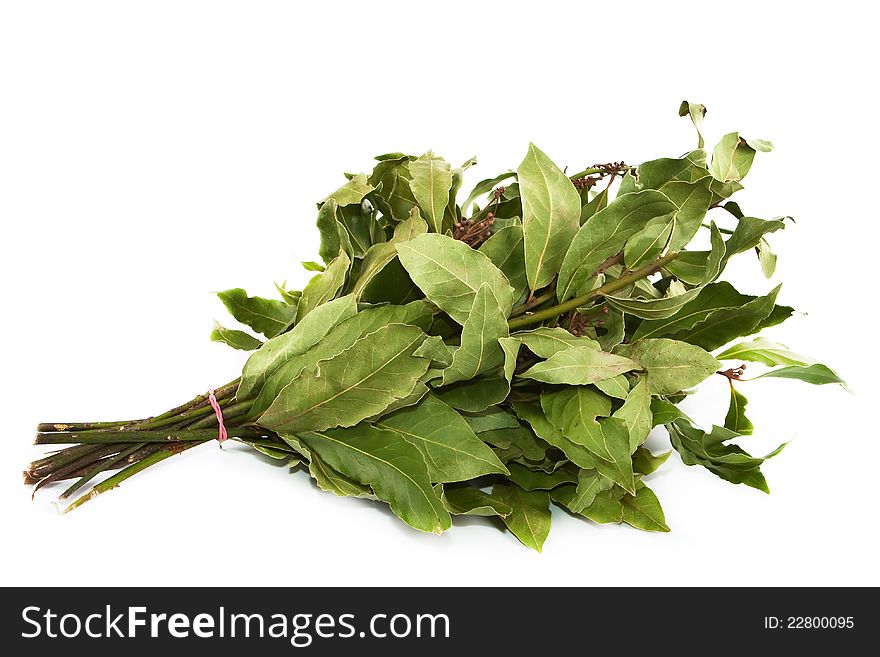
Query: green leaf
{"type": "Point", "coordinates": [491, 419]}
{"type": "Point", "coordinates": [605, 234]}
{"type": "Point", "coordinates": [546, 342]}
{"type": "Point", "coordinates": [529, 519]}
{"type": "Point", "coordinates": [766, 257]}
{"type": "Point", "coordinates": [604, 508]}
{"type": "Point", "coordinates": [235, 339]}
{"type": "Point", "coordinates": [710, 450]}
{"type": "Point", "coordinates": [615, 438]}
{"type": "Point", "coordinates": [391, 178]}
{"type": "Point", "coordinates": [671, 365]}
{"type": "Point", "coordinates": [589, 484]}
{"type": "Point", "coordinates": [380, 255]}
{"type": "Point", "coordinates": [726, 324]}
{"type": "Point", "coordinates": [450, 448]}
{"type": "Point", "coordinates": [265, 316]}
{"type": "Point", "coordinates": [343, 336]}
{"type": "Point", "coordinates": [480, 350]}
{"type": "Point", "coordinates": [351, 386]}
{"type": "Point", "coordinates": [664, 412]}
{"type": "Point", "coordinates": [579, 366]}
{"type": "Point", "coordinates": [438, 351]}
{"type": "Point", "coordinates": [761, 350]}
{"type": "Point", "coordinates": [393, 468]}
{"type": "Point", "coordinates": [653, 309]}
{"type": "Point", "coordinates": [312, 266]}
{"type": "Point", "coordinates": [655, 174]}
{"type": "Point", "coordinates": [817, 374]}
{"type": "Point", "coordinates": [530, 480]}
{"type": "Point", "coordinates": [636, 412]}
{"type": "Point", "coordinates": [697, 112]}
{"type": "Point", "coordinates": [615, 330]}
{"type": "Point", "coordinates": [644, 462]}
{"type": "Point", "coordinates": [331, 481]}
{"type": "Point", "coordinates": [522, 438]}
{"type": "Point", "coordinates": [449, 272]}
{"type": "Point", "coordinates": [617, 386]}
{"type": "Point", "coordinates": [505, 250]}
{"type": "Point", "coordinates": [352, 192]}
{"type": "Point", "coordinates": [323, 287]}
{"type": "Point", "coordinates": [469, 501]}
{"type": "Point", "coordinates": [573, 411]}
{"type": "Point", "coordinates": [333, 235]}
{"type": "Point", "coordinates": [648, 243]}
{"type": "Point", "coordinates": [732, 158]}
{"type": "Point", "coordinates": [748, 234]}
{"type": "Point", "coordinates": [486, 186]}
{"type": "Point", "coordinates": [643, 510]}
{"type": "Point", "coordinates": [290, 297]}
{"type": "Point", "coordinates": [736, 419]}
{"type": "Point", "coordinates": [692, 200]}
{"type": "Point", "coordinates": [430, 185]}
{"type": "Point", "coordinates": [551, 215]}
{"type": "Point", "coordinates": [477, 394]}
{"type": "Point", "coordinates": [298, 340]}
{"type": "Point", "coordinates": [577, 454]}
{"type": "Point", "coordinates": [711, 298]}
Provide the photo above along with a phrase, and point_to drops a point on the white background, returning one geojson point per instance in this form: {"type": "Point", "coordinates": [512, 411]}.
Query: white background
{"type": "Point", "coordinates": [154, 152]}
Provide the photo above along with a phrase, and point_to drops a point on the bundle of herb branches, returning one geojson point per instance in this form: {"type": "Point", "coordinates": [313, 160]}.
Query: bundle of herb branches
{"type": "Point", "coordinates": [495, 356]}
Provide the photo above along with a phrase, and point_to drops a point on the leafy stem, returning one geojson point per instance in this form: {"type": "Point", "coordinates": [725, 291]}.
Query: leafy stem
{"type": "Point", "coordinates": [608, 288]}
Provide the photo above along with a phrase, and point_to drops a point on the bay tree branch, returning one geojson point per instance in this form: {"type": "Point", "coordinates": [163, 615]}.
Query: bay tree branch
{"type": "Point", "coordinates": [608, 288]}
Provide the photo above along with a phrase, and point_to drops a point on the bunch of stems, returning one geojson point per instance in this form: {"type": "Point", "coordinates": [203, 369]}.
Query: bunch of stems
{"type": "Point", "coordinates": [131, 446]}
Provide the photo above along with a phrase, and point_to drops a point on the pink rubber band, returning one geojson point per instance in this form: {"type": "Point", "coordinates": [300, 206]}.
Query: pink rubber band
{"type": "Point", "coordinates": [221, 434]}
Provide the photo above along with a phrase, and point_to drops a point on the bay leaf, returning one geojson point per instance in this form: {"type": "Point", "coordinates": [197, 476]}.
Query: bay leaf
{"type": "Point", "coordinates": [380, 255]}
{"type": "Point", "coordinates": [470, 501]}
{"type": "Point", "coordinates": [546, 341]}
{"type": "Point", "coordinates": [486, 186]}
{"type": "Point", "coordinates": [430, 184]}
{"type": "Point", "coordinates": [551, 209]}
{"type": "Point", "coordinates": [340, 338]}
{"type": "Point", "coordinates": [736, 419]}
{"type": "Point", "coordinates": [643, 510]}
{"type": "Point", "coordinates": [324, 286]}
{"type": "Point", "coordinates": [671, 365]}
{"type": "Point", "coordinates": [605, 234]}
{"type": "Point", "coordinates": [393, 468]}
{"type": "Point", "coordinates": [266, 316]}
{"type": "Point", "coordinates": [617, 386]}
{"type": "Point", "coordinates": [490, 419]}
{"type": "Point", "coordinates": [712, 297]}
{"type": "Point", "coordinates": [636, 412]}
{"type": "Point", "coordinates": [351, 386]}
{"type": "Point", "coordinates": [480, 350]}
{"type": "Point", "coordinates": [529, 519]}
{"type": "Point", "coordinates": [817, 374]}
{"type": "Point", "coordinates": [449, 272]}
{"type": "Point", "coordinates": [589, 484]}
{"type": "Point", "coordinates": [235, 339]}
{"type": "Point", "coordinates": [579, 366]}
{"type": "Point", "coordinates": [352, 192]}
{"type": "Point", "coordinates": [534, 415]}
{"type": "Point", "coordinates": [505, 249]}
{"type": "Point", "coordinates": [530, 480]}
{"type": "Point", "coordinates": [648, 243]}
{"type": "Point", "coordinates": [644, 462]}
{"type": "Point", "coordinates": [450, 448]}
{"type": "Point", "coordinates": [652, 309]}
{"type": "Point", "coordinates": [732, 158]}
{"type": "Point", "coordinates": [298, 340]}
